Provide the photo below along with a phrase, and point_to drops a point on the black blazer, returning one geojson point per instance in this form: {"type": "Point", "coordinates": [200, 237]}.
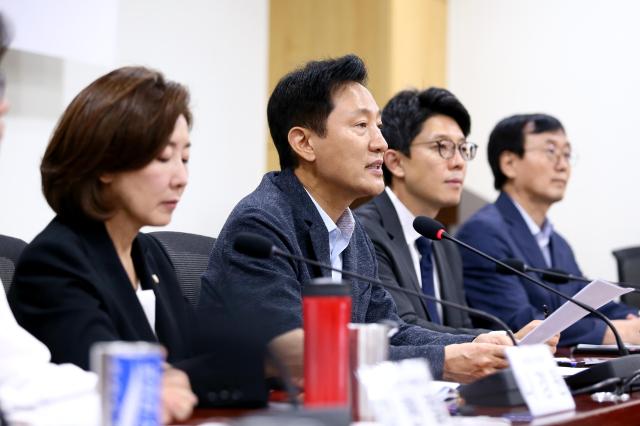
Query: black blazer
{"type": "Point", "coordinates": [395, 267]}
{"type": "Point", "coordinates": [70, 291]}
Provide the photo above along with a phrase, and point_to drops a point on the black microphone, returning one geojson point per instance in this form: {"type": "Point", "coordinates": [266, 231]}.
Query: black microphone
{"type": "Point", "coordinates": [258, 246]}
{"type": "Point", "coordinates": [434, 230]}
{"type": "Point", "coordinates": [553, 275]}
{"type": "Point", "coordinates": [625, 366]}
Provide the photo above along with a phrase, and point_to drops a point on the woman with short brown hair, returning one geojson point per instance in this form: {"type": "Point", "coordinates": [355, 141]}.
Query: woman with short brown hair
{"type": "Point", "coordinates": [120, 122]}
{"type": "Point", "coordinates": [116, 162]}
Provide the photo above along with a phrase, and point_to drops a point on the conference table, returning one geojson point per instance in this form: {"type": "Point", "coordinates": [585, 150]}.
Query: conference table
{"type": "Point", "coordinates": [588, 412]}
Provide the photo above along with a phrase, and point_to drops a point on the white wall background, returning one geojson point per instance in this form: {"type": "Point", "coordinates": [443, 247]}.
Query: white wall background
{"type": "Point", "coordinates": [217, 48]}
{"type": "Point", "coordinates": [577, 60]}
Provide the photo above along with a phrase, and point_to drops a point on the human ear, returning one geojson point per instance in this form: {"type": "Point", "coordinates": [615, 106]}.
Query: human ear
{"type": "Point", "coordinates": [300, 142]}
{"type": "Point", "coordinates": [508, 162]}
{"type": "Point", "coordinates": [393, 161]}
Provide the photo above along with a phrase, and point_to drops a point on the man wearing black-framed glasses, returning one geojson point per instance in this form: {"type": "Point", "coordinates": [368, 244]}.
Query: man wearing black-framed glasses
{"type": "Point", "coordinates": [531, 159]}
{"type": "Point", "coordinates": [424, 170]}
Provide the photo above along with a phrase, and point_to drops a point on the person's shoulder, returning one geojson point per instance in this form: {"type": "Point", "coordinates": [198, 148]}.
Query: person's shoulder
{"type": "Point", "coordinates": [268, 199]}
{"type": "Point", "coordinates": [152, 245]}
{"type": "Point", "coordinates": [59, 246]}
{"type": "Point", "coordinates": [560, 239]}
{"type": "Point", "coordinates": [486, 213]}
{"type": "Point", "coordinates": [370, 217]}
{"type": "Point", "coordinates": [486, 217]}
{"type": "Point", "coordinates": [57, 234]}
{"type": "Point", "coordinates": [266, 211]}
{"type": "Point", "coordinates": [449, 247]}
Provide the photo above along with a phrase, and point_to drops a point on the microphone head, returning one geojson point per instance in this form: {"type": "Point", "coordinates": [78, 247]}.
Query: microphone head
{"type": "Point", "coordinates": [429, 228]}
{"type": "Point", "coordinates": [516, 264]}
{"type": "Point", "coordinates": [555, 276]}
{"type": "Point", "coordinates": [253, 245]}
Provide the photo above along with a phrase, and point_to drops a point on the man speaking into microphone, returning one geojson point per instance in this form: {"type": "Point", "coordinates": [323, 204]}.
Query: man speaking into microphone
{"type": "Point", "coordinates": [531, 159]}
{"type": "Point", "coordinates": [325, 125]}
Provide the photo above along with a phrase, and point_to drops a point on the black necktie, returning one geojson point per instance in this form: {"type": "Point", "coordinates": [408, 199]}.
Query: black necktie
{"type": "Point", "coordinates": [426, 270]}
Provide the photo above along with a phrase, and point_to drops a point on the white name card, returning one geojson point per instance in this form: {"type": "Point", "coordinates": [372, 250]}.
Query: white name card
{"type": "Point", "coordinates": [400, 395]}
{"type": "Point", "coordinates": [539, 380]}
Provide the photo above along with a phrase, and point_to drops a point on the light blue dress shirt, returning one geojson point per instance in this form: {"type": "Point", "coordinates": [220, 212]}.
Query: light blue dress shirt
{"type": "Point", "coordinates": [339, 235]}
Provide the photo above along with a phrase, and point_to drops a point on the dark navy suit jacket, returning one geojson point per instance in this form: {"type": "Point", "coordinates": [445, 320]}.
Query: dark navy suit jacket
{"type": "Point", "coordinates": [269, 290]}
{"type": "Point", "coordinates": [70, 291]}
{"type": "Point", "coordinates": [396, 268]}
{"type": "Point", "coordinates": [499, 230]}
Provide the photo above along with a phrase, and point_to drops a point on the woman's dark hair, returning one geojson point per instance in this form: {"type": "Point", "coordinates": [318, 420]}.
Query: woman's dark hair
{"type": "Point", "coordinates": [509, 135]}
{"type": "Point", "coordinates": [120, 122]}
{"type": "Point", "coordinates": [304, 98]}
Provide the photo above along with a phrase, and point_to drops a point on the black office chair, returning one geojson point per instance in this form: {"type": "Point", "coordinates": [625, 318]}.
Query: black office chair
{"type": "Point", "coordinates": [629, 271]}
{"type": "Point", "coordinates": [10, 249]}
{"type": "Point", "coordinates": [190, 256]}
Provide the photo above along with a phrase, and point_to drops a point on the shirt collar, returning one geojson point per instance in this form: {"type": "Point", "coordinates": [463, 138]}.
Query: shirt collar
{"type": "Point", "coordinates": [345, 223]}
{"type": "Point", "coordinates": [541, 235]}
{"type": "Point", "coordinates": [405, 216]}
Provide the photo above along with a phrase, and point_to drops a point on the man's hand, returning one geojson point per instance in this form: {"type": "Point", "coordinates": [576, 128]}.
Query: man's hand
{"type": "Point", "coordinates": [495, 338]}
{"type": "Point", "coordinates": [177, 399]}
{"type": "Point", "coordinates": [289, 348]}
{"type": "Point", "coordinates": [629, 330]}
{"type": "Point", "coordinates": [552, 343]}
{"type": "Point", "coordinates": [466, 362]}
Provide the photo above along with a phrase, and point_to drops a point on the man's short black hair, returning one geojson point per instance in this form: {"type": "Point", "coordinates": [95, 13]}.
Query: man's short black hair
{"type": "Point", "coordinates": [405, 114]}
{"type": "Point", "coordinates": [509, 135]}
{"type": "Point", "coordinates": [304, 98]}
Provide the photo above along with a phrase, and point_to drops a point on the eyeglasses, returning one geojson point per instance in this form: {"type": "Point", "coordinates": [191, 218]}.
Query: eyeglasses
{"type": "Point", "coordinates": [447, 148]}
{"type": "Point", "coordinates": [554, 154]}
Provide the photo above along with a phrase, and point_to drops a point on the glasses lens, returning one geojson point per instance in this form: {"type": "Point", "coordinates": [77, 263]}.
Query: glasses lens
{"type": "Point", "coordinates": [570, 157]}
{"type": "Point", "coordinates": [567, 156]}
{"type": "Point", "coordinates": [468, 150]}
{"type": "Point", "coordinates": [446, 149]}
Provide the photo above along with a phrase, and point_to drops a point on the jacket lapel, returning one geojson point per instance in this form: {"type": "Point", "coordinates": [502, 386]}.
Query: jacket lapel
{"type": "Point", "coordinates": [532, 255]}
{"type": "Point", "coordinates": [399, 247]}
{"type": "Point", "coordinates": [113, 279]}
{"type": "Point", "coordinates": [312, 232]}
{"type": "Point", "coordinates": [151, 277]}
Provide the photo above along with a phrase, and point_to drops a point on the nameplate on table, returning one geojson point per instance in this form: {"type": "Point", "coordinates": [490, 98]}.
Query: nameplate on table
{"type": "Point", "coordinates": [400, 395]}
{"type": "Point", "coordinates": [539, 381]}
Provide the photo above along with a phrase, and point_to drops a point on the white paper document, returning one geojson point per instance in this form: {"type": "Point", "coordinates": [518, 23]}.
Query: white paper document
{"type": "Point", "coordinates": [596, 294]}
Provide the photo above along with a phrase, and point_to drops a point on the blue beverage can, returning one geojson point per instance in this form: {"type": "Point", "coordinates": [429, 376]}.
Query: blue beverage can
{"type": "Point", "coordinates": [130, 381]}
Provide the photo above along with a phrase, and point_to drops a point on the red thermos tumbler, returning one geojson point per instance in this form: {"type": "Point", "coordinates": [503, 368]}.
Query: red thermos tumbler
{"type": "Point", "coordinates": [326, 311]}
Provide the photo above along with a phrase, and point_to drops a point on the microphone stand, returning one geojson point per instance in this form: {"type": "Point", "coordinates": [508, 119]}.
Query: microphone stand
{"type": "Point", "coordinates": [621, 347]}
{"type": "Point", "coordinates": [556, 276]}
{"type": "Point", "coordinates": [473, 312]}
{"type": "Point", "coordinates": [559, 277]}
{"type": "Point", "coordinates": [625, 366]}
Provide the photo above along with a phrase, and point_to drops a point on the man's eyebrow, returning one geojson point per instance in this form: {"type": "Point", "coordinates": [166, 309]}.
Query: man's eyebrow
{"type": "Point", "coordinates": [446, 136]}
{"type": "Point", "coordinates": [359, 111]}
{"type": "Point", "coordinates": [556, 143]}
